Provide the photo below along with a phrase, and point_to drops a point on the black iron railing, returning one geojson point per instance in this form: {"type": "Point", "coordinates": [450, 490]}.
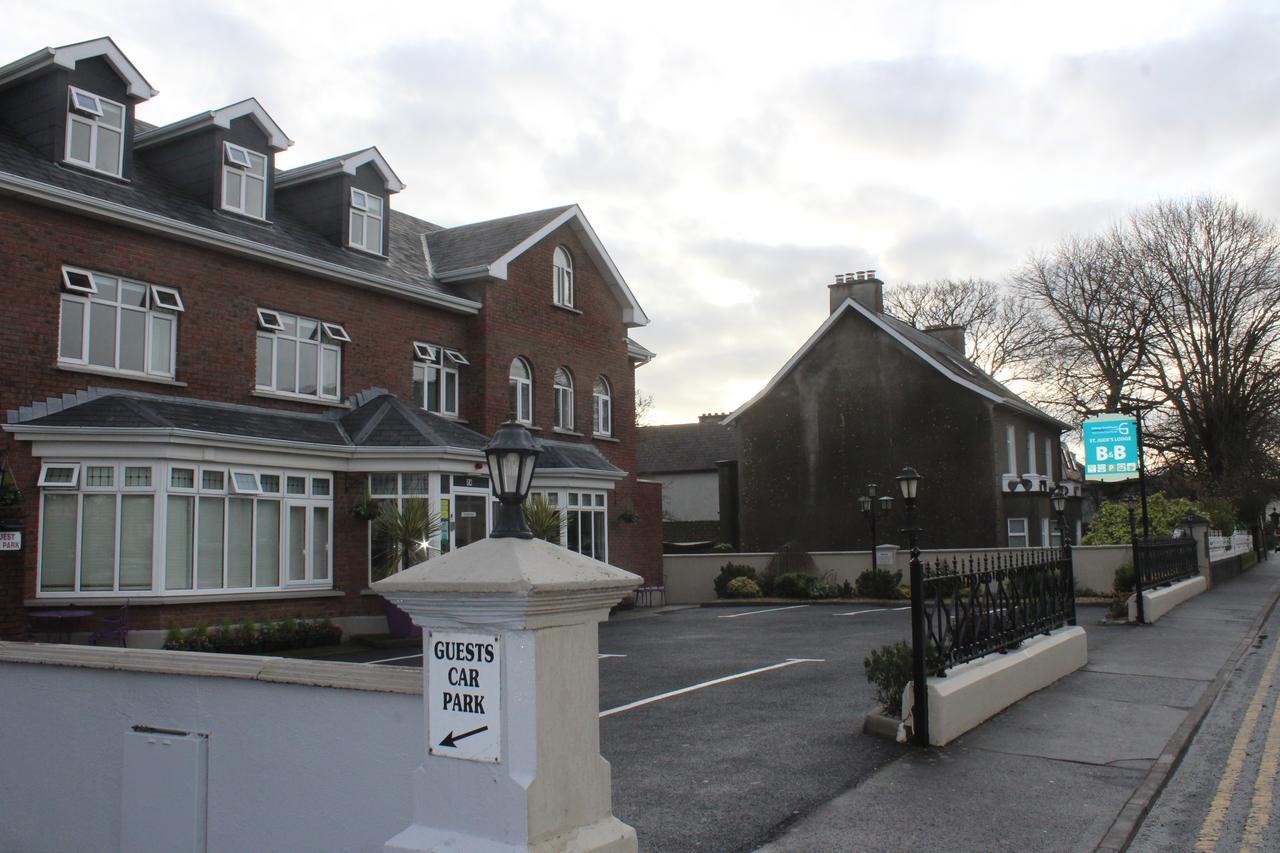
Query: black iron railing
{"type": "Point", "coordinates": [980, 605]}
{"type": "Point", "coordinates": [1165, 561]}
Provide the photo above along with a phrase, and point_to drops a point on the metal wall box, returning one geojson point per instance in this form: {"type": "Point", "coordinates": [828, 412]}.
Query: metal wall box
{"type": "Point", "coordinates": [164, 791]}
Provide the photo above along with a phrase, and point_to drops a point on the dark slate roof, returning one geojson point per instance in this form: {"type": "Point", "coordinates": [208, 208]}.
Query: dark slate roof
{"type": "Point", "coordinates": [961, 367]}
{"type": "Point", "coordinates": [482, 243]}
{"type": "Point", "coordinates": [148, 192]}
{"type": "Point", "coordinates": [564, 454]}
{"type": "Point", "coordinates": [672, 448]}
{"type": "Point", "coordinates": [376, 419]}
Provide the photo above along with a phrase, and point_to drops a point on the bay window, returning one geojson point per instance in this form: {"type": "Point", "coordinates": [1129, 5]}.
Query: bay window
{"type": "Point", "coordinates": [586, 527]}
{"type": "Point", "coordinates": [299, 356]}
{"type": "Point", "coordinates": [152, 529]}
{"type": "Point", "coordinates": [392, 488]}
{"type": "Point", "coordinates": [116, 324]}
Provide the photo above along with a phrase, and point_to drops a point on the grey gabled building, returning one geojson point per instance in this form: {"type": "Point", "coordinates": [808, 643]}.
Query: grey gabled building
{"type": "Point", "coordinates": [868, 394]}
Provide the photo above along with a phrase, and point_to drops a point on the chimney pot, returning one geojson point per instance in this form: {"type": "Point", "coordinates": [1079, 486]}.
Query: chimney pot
{"type": "Point", "coordinates": [862, 286]}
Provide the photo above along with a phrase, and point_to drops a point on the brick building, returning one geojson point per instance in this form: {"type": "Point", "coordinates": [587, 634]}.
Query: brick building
{"type": "Point", "coordinates": [210, 361]}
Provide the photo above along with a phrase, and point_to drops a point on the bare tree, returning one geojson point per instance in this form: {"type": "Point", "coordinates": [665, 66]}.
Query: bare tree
{"type": "Point", "coordinates": [644, 408]}
{"type": "Point", "coordinates": [1002, 334]}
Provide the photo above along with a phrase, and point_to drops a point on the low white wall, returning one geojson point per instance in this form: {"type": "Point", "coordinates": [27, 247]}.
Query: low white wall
{"type": "Point", "coordinates": [976, 691]}
{"type": "Point", "coordinates": [1158, 602]}
{"type": "Point", "coordinates": [1095, 565]}
{"type": "Point", "coordinates": [293, 766]}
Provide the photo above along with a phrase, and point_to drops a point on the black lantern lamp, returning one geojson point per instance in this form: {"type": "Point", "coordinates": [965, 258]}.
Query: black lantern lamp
{"type": "Point", "coordinates": [1059, 500]}
{"type": "Point", "coordinates": [868, 504]}
{"type": "Point", "coordinates": [512, 456]}
{"type": "Point", "coordinates": [909, 482]}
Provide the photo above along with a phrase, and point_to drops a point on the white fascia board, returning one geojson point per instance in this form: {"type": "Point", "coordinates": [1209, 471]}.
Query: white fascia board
{"type": "Point", "coordinates": [640, 352]}
{"type": "Point", "coordinates": [566, 478]}
{"type": "Point", "coordinates": [632, 313]}
{"type": "Point", "coordinates": [347, 164]}
{"type": "Point", "coordinates": [222, 118]}
{"type": "Point", "coordinates": [852, 305]}
{"type": "Point", "coordinates": [374, 156]}
{"type": "Point", "coordinates": [66, 199]}
{"type": "Point", "coordinates": [590, 473]}
{"type": "Point", "coordinates": [69, 55]}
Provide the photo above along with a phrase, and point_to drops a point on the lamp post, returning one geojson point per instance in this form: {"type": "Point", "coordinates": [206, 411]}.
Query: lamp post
{"type": "Point", "coordinates": [867, 503]}
{"type": "Point", "coordinates": [512, 456]}
{"type": "Point", "coordinates": [1059, 500]}
{"type": "Point", "coordinates": [1129, 501]}
{"type": "Point", "coordinates": [909, 484]}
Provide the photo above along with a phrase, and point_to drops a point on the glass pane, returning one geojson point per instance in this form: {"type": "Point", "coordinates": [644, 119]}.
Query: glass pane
{"type": "Point", "coordinates": [297, 543]}
{"type": "Point", "coordinates": [416, 484]}
{"type": "Point", "coordinates": [599, 521]}
{"type": "Point", "coordinates": [81, 132]}
{"type": "Point", "coordinates": [239, 542]}
{"type": "Point", "coordinates": [571, 531]}
{"type": "Point", "coordinates": [290, 323]}
{"type": "Point", "coordinates": [231, 184]}
{"type": "Point", "coordinates": [588, 535]}
{"type": "Point", "coordinates": [419, 381]}
{"type": "Point", "coordinates": [137, 533]}
{"type": "Point", "coordinates": [99, 475]}
{"type": "Point", "coordinates": [286, 365]}
{"type": "Point", "coordinates": [357, 228]}
{"type": "Point", "coordinates": [526, 402]}
{"type": "Point", "coordinates": [72, 334]}
{"type": "Point", "coordinates": [267, 539]}
{"type": "Point", "coordinates": [213, 480]}
{"type": "Point", "coordinates": [433, 389]}
{"type": "Point", "coordinates": [161, 345]}
{"type": "Point", "coordinates": [382, 484]}
{"type": "Point", "coordinates": [209, 557]}
{"type": "Point", "coordinates": [257, 163]}
{"type": "Point", "coordinates": [320, 543]}
{"type": "Point", "coordinates": [139, 476]}
{"type": "Point", "coordinates": [179, 539]}
{"type": "Point", "coordinates": [320, 486]}
{"type": "Point", "coordinates": [98, 542]}
{"type": "Point", "coordinates": [373, 235]}
{"type": "Point", "coordinates": [133, 340]}
{"type": "Point", "coordinates": [308, 330]}
{"type": "Point", "coordinates": [102, 334]}
{"type": "Point", "coordinates": [270, 483]}
{"type": "Point", "coordinates": [58, 543]}
{"type": "Point", "coordinates": [106, 287]}
{"type": "Point", "coordinates": [107, 157]}
{"type": "Point", "coordinates": [254, 197]}
{"type": "Point", "coordinates": [182, 478]}
{"type": "Point", "coordinates": [329, 387]}
{"type": "Point", "coordinates": [307, 362]}
{"type": "Point", "coordinates": [112, 115]}
{"type": "Point", "coordinates": [451, 392]}
{"type": "Point", "coordinates": [379, 549]}
{"type": "Point", "coordinates": [296, 485]}
{"type": "Point", "coordinates": [134, 295]}
{"type": "Point", "coordinates": [265, 348]}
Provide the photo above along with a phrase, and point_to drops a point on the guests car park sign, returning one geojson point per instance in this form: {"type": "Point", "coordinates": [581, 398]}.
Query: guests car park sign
{"type": "Point", "coordinates": [464, 708]}
{"type": "Point", "coordinates": [1110, 448]}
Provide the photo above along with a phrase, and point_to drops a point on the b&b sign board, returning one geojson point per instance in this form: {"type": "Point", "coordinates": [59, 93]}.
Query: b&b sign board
{"type": "Point", "coordinates": [1110, 448]}
{"type": "Point", "coordinates": [464, 708]}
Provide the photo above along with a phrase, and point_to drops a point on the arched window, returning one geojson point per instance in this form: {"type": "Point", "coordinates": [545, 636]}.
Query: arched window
{"type": "Point", "coordinates": [521, 385]}
{"type": "Point", "coordinates": [564, 399]}
{"type": "Point", "coordinates": [602, 407]}
{"type": "Point", "coordinates": [562, 275]}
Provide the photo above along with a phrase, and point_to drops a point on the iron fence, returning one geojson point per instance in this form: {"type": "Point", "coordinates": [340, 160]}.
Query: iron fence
{"type": "Point", "coordinates": [1165, 561]}
{"type": "Point", "coordinates": [980, 605]}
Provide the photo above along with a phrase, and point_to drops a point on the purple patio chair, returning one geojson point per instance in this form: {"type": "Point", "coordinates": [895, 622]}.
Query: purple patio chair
{"type": "Point", "coordinates": [112, 630]}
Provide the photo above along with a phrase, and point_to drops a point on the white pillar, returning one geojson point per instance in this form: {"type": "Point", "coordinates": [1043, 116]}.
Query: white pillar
{"type": "Point", "coordinates": [511, 693]}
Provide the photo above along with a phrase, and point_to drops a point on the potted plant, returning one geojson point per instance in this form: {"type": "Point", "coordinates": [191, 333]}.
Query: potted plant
{"type": "Point", "coordinates": [404, 531]}
{"type": "Point", "coordinates": [10, 494]}
{"type": "Point", "coordinates": [365, 508]}
{"type": "Point", "coordinates": [630, 515]}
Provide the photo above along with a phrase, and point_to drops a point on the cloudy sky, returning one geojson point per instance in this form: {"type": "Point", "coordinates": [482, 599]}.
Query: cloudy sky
{"type": "Point", "coordinates": [734, 157]}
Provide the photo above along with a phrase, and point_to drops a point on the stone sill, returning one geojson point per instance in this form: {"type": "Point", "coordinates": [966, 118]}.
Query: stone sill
{"type": "Point", "coordinates": [345, 676]}
{"type": "Point", "coordinates": [559, 431]}
{"type": "Point", "coordinates": [198, 598]}
{"type": "Point", "coordinates": [298, 398]}
{"type": "Point", "coordinates": [568, 308]}
{"type": "Point", "coordinates": [598, 437]}
{"type": "Point", "coordinates": [117, 374]}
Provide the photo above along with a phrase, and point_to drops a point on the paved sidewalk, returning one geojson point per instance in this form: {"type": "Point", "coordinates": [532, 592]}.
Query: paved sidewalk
{"type": "Point", "coordinates": [1073, 767]}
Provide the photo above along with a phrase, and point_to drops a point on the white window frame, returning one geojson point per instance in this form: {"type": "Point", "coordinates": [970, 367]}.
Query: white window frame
{"type": "Point", "coordinates": [425, 352]}
{"type": "Point", "coordinates": [152, 315]}
{"type": "Point", "coordinates": [370, 217]}
{"type": "Point", "coordinates": [430, 359]}
{"type": "Point", "coordinates": [1031, 453]}
{"type": "Point", "coordinates": [563, 389]}
{"type": "Point", "coordinates": [562, 277]}
{"type": "Point", "coordinates": [1048, 457]}
{"type": "Point", "coordinates": [159, 296]}
{"type": "Point", "coordinates": [602, 407]}
{"type": "Point", "coordinates": [589, 503]}
{"type": "Point", "coordinates": [316, 576]}
{"type": "Point", "coordinates": [231, 166]}
{"type": "Point", "coordinates": [1025, 533]}
{"type": "Point", "coordinates": [92, 120]}
{"type": "Point", "coordinates": [399, 495]}
{"type": "Point", "coordinates": [336, 332]}
{"type": "Point", "coordinates": [45, 468]}
{"type": "Point", "coordinates": [255, 487]}
{"type": "Point", "coordinates": [456, 357]}
{"type": "Point", "coordinates": [1011, 448]}
{"type": "Point", "coordinates": [324, 349]}
{"type": "Point", "coordinates": [522, 390]}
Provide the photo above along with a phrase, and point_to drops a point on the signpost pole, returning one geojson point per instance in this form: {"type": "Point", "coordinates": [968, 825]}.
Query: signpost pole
{"type": "Point", "coordinates": [1142, 475]}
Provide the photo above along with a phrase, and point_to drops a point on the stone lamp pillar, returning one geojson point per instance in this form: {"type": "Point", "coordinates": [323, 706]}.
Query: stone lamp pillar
{"type": "Point", "coordinates": [511, 694]}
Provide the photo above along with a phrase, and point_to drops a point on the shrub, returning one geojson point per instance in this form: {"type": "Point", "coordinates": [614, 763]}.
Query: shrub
{"type": "Point", "coordinates": [878, 583]}
{"type": "Point", "coordinates": [889, 669]}
{"type": "Point", "coordinates": [788, 560]}
{"type": "Point", "coordinates": [1125, 581]}
{"type": "Point", "coordinates": [247, 636]}
{"type": "Point", "coordinates": [742, 587]}
{"type": "Point", "coordinates": [794, 585]}
{"type": "Point", "coordinates": [1110, 524]}
{"type": "Point", "coordinates": [846, 590]}
{"type": "Point", "coordinates": [722, 548]}
{"type": "Point", "coordinates": [728, 572]}
{"type": "Point", "coordinates": [1119, 606]}
{"type": "Point", "coordinates": [173, 640]}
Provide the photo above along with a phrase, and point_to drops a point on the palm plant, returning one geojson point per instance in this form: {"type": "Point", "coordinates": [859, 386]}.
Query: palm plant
{"type": "Point", "coordinates": [404, 531]}
{"type": "Point", "coordinates": [543, 518]}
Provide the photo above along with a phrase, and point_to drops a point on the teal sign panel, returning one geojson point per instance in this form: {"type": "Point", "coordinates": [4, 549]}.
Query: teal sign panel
{"type": "Point", "coordinates": [1110, 448]}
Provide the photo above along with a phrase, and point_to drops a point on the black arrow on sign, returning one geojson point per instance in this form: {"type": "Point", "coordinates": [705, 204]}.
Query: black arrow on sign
{"type": "Point", "coordinates": [451, 740]}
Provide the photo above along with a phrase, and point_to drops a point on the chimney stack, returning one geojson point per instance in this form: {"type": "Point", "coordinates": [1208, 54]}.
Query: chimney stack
{"type": "Point", "coordinates": [862, 286]}
{"type": "Point", "coordinates": [952, 336]}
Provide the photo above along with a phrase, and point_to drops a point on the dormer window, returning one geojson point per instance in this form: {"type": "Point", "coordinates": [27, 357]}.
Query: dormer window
{"type": "Point", "coordinates": [95, 132]}
{"type": "Point", "coordinates": [562, 275]}
{"type": "Point", "coordinates": [366, 222]}
{"type": "Point", "coordinates": [244, 181]}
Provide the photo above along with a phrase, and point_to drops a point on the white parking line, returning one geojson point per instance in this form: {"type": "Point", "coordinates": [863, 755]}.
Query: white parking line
{"type": "Point", "coordinates": [712, 683]}
{"type": "Point", "coordinates": [612, 656]}
{"type": "Point", "coordinates": [390, 660]}
{"type": "Point", "coordinates": [872, 610]}
{"type": "Point", "coordinates": [769, 610]}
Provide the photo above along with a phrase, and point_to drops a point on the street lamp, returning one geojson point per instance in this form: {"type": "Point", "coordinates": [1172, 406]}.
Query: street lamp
{"type": "Point", "coordinates": [1058, 499]}
{"type": "Point", "coordinates": [512, 456]}
{"type": "Point", "coordinates": [1130, 502]}
{"type": "Point", "coordinates": [867, 503]}
{"type": "Point", "coordinates": [909, 484]}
